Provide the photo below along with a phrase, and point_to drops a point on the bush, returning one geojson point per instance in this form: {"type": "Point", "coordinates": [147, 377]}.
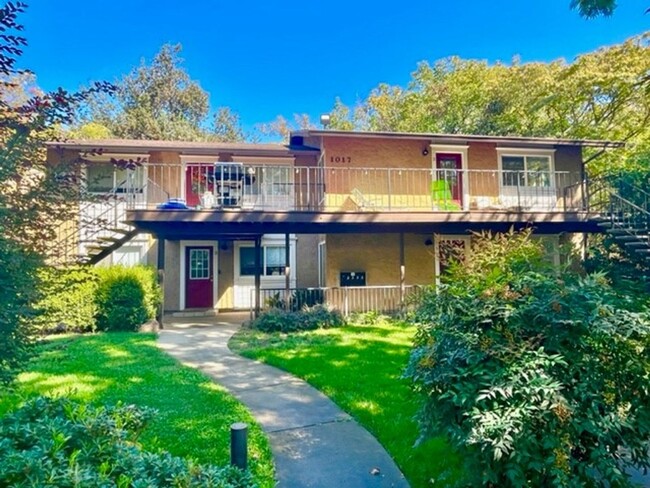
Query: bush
{"type": "Point", "coordinates": [538, 380]}
{"type": "Point", "coordinates": [126, 297]}
{"type": "Point", "coordinates": [63, 443]}
{"type": "Point", "coordinates": [299, 299]}
{"type": "Point", "coordinates": [310, 318]}
{"type": "Point", "coordinates": [18, 291]}
{"type": "Point", "coordinates": [68, 300]}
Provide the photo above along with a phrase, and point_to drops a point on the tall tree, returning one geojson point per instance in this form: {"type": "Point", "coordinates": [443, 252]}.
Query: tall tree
{"type": "Point", "coordinates": [154, 101]}
{"type": "Point", "coordinates": [158, 101]}
{"type": "Point", "coordinates": [33, 191]}
{"type": "Point", "coordinates": [226, 127]}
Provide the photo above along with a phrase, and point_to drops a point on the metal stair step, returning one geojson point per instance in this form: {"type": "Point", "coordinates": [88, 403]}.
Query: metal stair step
{"type": "Point", "coordinates": [616, 231]}
{"type": "Point", "coordinates": [108, 239]}
{"type": "Point", "coordinates": [638, 244]}
{"type": "Point", "coordinates": [120, 230]}
{"type": "Point", "coordinates": [628, 238]}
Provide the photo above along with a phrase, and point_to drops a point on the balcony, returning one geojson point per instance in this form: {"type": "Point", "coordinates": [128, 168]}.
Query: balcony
{"type": "Point", "coordinates": [313, 189]}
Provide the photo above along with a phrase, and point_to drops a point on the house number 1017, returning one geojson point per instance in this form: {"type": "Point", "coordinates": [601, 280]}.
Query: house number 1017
{"type": "Point", "coordinates": [340, 159]}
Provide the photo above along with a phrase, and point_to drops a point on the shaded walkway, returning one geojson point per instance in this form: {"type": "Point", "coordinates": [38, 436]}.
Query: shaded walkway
{"type": "Point", "coordinates": [314, 443]}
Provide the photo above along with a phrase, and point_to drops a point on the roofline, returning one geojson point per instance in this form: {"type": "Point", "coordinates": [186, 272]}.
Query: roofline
{"type": "Point", "coordinates": [458, 138]}
{"type": "Point", "coordinates": [183, 148]}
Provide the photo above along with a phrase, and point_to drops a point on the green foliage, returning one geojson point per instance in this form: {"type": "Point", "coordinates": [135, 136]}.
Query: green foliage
{"type": "Point", "coordinates": [600, 95]}
{"type": "Point", "coordinates": [298, 300]}
{"type": "Point", "coordinates": [539, 379]}
{"type": "Point", "coordinates": [126, 297]}
{"type": "Point", "coordinates": [59, 442]}
{"type": "Point", "coordinates": [18, 289]}
{"type": "Point", "coordinates": [594, 8]}
{"type": "Point", "coordinates": [309, 318]}
{"type": "Point", "coordinates": [68, 300]}
{"type": "Point", "coordinates": [33, 191]}
{"type": "Point", "coordinates": [158, 101]}
{"type": "Point", "coordinates": [628, 272]}
{"type": "Point", "coordinates": [104, 369]}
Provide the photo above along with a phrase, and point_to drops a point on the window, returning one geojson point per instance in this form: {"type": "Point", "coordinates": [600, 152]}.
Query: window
{"type": "Point", "coordinates": [526, 171]}
{"type": "Point", "coordinates": [199, 264]}
{"type": "Point", "coordinates": [272, 261]}
{"type": "Point", "coordinates": [247, 261]}
{"type": "Point", "coordinates": [269, 180]}
{"type": "Point", "coordinates": [105, 177]}
{"type": "Point", "coordinates": [275, 258]}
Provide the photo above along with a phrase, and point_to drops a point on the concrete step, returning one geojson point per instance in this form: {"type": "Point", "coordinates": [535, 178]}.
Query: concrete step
{"type": "Point", "coordinates": [209, 312]}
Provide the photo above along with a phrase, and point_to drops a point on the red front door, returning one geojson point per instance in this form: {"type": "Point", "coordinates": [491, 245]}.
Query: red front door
{"type": "Point", "coordinates": [199, 277]}
{"type": "Point", "coordinates": [450, 169]}
{"type": "Point", "coordinates": [198, 180]}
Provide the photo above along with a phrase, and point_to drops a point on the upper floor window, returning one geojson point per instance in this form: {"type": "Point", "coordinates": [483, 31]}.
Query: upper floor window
{"type": "Point", "coordinates": [106, 177]}
{"type": "Point", "coordinates": [526, 170]}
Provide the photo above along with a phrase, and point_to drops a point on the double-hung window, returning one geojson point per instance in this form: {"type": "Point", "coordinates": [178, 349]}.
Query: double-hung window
{"type": "Point", "coordinates": [526, 170]}
{"type": "Point", "coordinates": [273, 261]}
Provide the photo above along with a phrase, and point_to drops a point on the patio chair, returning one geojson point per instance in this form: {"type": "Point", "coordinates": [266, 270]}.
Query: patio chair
{"type": "Point", "coordinates": [363, 202]}
{"type": "Point", "coordinates": [442, 197]}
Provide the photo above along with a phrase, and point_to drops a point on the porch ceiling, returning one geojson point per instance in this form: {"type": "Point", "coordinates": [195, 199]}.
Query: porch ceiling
{"type": "Point", "coordinates": [205, 224]}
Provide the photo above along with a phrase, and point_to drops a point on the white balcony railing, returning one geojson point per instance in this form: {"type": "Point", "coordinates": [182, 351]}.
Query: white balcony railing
{"type": "Point", "coordinates": [291, 188]}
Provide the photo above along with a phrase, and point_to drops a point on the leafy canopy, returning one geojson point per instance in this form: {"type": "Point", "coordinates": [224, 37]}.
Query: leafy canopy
{"type": "Point", "coordinates": [601, 95]}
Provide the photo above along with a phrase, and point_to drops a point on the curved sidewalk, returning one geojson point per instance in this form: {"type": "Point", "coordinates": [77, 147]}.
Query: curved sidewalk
{"type": "Point", "coordinates": [314, 443]}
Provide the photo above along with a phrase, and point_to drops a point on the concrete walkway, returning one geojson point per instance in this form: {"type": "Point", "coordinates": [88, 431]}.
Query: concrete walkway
{"type": "Point", "coordinates": [314, 443]}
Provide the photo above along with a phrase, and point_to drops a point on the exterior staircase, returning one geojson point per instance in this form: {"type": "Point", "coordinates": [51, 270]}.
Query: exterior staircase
{"type": "Point", "coordinates": [100, 227]}
{"type": "Point", "coordinates": [98, 231]}
{"type": "Point", "coordinates": [623, 212]}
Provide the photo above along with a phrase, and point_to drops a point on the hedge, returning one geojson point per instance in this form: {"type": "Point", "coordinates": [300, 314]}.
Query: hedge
{"type": "Point", "coordinates": [85, 299]}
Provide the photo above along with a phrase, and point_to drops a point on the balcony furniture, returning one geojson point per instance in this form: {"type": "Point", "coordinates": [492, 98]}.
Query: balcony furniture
{"type": "Point", "coordinates": [442, 197]}
{"type": "Point", "coordinates": [361, 200]}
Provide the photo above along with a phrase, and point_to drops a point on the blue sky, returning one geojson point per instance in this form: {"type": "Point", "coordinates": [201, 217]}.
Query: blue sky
{"type": "Point", "coordinates": [264, 58]}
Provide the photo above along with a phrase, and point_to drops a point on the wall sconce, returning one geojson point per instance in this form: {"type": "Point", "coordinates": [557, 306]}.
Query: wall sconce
{"type": "Point", "coordinates": [425, 152]}
{"type": "Point", "coordinates": [428, 242]}
{"type": "Point", "coordinates": [223, 245]}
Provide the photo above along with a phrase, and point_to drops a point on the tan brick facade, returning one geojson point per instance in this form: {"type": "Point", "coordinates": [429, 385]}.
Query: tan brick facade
{"type": "Point", "coordinates": [378, 255]}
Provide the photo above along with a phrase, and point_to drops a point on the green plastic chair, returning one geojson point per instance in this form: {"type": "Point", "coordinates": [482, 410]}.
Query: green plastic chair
{"type": "Point", "coordinates": [442, 197]}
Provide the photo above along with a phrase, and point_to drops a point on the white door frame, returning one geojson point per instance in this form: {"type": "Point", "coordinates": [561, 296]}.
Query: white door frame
{"type": "Point", "coordinates": [215, 269]}
{"type": "Point", "coordinates": [454, 149]}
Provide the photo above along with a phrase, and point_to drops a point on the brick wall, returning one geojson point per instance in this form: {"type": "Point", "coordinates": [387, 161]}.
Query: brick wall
{"type": "Point", "coordinates": [379, 256]}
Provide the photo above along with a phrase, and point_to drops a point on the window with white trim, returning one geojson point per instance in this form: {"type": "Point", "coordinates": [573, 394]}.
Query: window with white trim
{"type": "Point", "coordinates": [273, 261]}
{"type": "Point", "coordinates": [526, 170]}
{"type": "Point", "coordinates": [106, 177]}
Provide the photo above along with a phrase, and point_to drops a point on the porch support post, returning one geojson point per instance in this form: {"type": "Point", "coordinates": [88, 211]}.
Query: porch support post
{"type": "Point", "coordinates": [161, 279]}
{"type": "Point", "coordinates": [258, 273]}
{"type": "Point", "coordinates": [287, 271]}
{"type": "Point", "coordinates": [402, 269]}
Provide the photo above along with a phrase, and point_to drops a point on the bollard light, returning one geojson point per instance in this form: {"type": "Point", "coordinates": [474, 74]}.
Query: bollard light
{"type": "Point", "coordinates": [239, 445]}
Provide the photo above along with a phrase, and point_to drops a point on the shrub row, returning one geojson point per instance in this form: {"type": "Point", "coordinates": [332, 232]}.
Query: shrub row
{"type": "Point", "coordinates": [85, 299]}
{"type": "Point", "coordinates": [58, 442]}
{"type": "Point", "coordinates": [309, 318]}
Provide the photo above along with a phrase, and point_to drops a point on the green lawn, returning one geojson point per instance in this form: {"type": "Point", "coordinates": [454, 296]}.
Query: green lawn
{"type": "Point", "coordinates": [359, 367]}
{"type": "Point", "coordinates": [194, 414]}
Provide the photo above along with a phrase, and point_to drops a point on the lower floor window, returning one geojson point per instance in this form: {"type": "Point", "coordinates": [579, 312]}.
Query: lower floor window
{"type": "Point", "coordinates": [273, 261]}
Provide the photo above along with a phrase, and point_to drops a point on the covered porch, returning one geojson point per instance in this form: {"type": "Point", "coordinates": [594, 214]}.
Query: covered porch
{"type": "Point", "coordinates": [408, 231]}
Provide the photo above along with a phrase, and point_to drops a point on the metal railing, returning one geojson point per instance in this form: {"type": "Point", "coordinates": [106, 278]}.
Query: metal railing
{"type": "Point", "coordinates": [346, 299]}
{"type": "Point", "coordinates": [300, 188]}
{"type": "Point", "coordinates": [101, 215]}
